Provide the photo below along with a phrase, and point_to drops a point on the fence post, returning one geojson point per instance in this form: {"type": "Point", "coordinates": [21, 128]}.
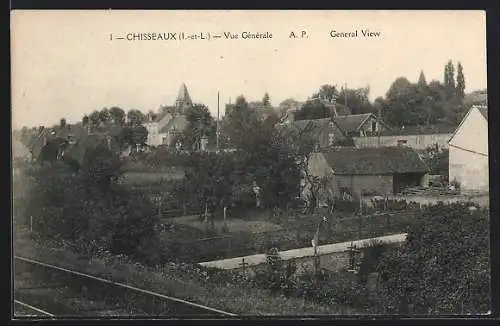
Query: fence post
{"type": "Point", "coordinates": [360, 226]}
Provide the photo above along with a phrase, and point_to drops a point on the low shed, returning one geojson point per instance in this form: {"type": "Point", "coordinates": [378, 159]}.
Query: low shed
{"type": "Point", "coordinates": [376, 171]}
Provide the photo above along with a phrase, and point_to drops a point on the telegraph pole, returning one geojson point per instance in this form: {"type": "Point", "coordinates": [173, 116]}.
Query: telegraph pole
{"type": "Point", "coordinates": [217, 128]}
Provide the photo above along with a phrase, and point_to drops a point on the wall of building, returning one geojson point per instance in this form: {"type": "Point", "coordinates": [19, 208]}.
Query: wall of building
{"type": "Point", "coordinates": [471, 170]}
{"type": "Point", "coordinates": [374, 184]}
{"type": "Point", "coordinates": [414, 141]}
{"type": "Point", "coordinates": [468, 161]}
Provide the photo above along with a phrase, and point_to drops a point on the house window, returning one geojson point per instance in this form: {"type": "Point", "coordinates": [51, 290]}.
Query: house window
{"type": "Point", "coordinates": [374, 126]}
{"type": "Point", "coordinates": [331, 139]}
{"type": "Point", "coordinates": [402, 142]}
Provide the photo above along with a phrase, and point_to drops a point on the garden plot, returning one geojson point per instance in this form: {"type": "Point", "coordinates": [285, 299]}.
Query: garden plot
{"type": "Point", "coordinates": [233, 225]}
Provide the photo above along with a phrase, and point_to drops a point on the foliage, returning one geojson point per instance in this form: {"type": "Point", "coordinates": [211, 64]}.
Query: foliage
{"type": "Point", "coordinates": [135, 117]}
{"type": "Point", "coordinates": [357, 100]}
{"type": "Point", "coordinates": [437, 160]}
{"type": "Point", "coordinates": [313, 109]}
{"type": "Point", "coordinates": [443, 267]}
{"type": "Point", "coordinates": [88, 209]}
{"type": "Point", "coordinates": [460, 89]}
{"type": "Point", "coordinates": [326, 92]}
{"type": "Point", "coordinates": [200, 125]}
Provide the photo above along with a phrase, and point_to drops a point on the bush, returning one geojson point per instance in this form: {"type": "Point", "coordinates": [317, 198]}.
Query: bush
{"type": "Point", "coordinates": [89, 210]}
{"type": "Point", "coordinates": [443, 267]}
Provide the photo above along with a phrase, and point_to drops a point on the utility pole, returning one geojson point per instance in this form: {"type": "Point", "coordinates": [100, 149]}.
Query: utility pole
{"type": "Point", "coordinates": [217, 127]}
{"type": "Point", "coordinates": [345, 94]}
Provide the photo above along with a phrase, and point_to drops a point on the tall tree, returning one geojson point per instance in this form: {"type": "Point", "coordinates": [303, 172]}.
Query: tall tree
{"type": "Point", "coordinates": [460, 81]}
{"type": "Point", "coordinates": [85, 120]}
{"type": "Point", "coordinates": [201, 124]}
{"type": "Point", "coordinates": [327, 92]}
{"type": "Point", "coordinates": [449, 78]}
{"type": "Point", "coordinates": [356, 99]}
{"type": "Point", "coordinates": [62, 123]}
{"type": "Point", "coordinates": [313, 109]}
{"type": "Point", "coordinates": [135, 117]}
{"type": "Point", "coordinates": [117, 115]}
{"type": "Point", "coordinates": [94, 119]}
{"type": "Point", "coordinates": [104, 116]}
{"type": "Point", "coordinates": [266, 100]}
{"type": "Point", "coordinates": [422, 82]}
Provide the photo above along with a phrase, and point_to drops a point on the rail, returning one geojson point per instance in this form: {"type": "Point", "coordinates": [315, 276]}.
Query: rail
{"type": "Point", "coordinates": [125, 286]}
{"type": "Point", "coordinates": [43, 312]}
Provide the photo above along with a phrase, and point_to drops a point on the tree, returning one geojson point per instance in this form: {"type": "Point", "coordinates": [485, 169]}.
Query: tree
{"type": "Point", "coordinates": [104, 116]}
{"type": "Point", "coordinates": [327, 92]}
{"type": "Point", "coordinates": [239, 122]}
{"type": "Point", "coordinates": [266, 100]}
{"type": "Point", "coordinates": [313, 109]}
{"type": "Point", "coordinates": [94, 119]}
{"type": "Point", "coordinates": [449, 78]}
{"type": "Point", "coordinates": [356, 100]}
{"type": "Point", "coordinates": [444, 265]}
{"type": "Point", "coordinates": [117, 115]}
{"type": "Point", "coordinates": [201, 125]}
{"type": "Point", "coordinates": [62, 123]}
{"type": "Point", "coordinates": [422, 83]}
{"type": "Point", "coordinates": [460, 81]}
{"type": "Point", "coordinates": [85, 120]}
{"type": "Point", "coordinates": [132, 136]}
{"type": "Point", "coordinates": [135, 117]}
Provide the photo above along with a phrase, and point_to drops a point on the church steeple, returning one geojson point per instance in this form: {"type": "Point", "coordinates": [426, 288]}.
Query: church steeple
{"type": "Point", "coordinates": [183, 98]}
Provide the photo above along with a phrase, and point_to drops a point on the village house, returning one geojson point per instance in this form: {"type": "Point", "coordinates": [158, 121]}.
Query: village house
{"type": "Point", "coordinates": [369, 171]}
{"type": "Point", "coordinates": [170, 122]}
{"type": "Point", "coordinates": [420, 137]}
{"type": "Point", "coordinates": [468, 146]}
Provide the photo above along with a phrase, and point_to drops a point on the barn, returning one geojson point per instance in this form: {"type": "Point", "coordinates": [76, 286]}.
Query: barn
{"type": "Point", "coordinates": [372, 171]}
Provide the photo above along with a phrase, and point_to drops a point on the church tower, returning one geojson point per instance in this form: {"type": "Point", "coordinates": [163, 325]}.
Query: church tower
{"type": "Point", "coordinates": [183, 99]}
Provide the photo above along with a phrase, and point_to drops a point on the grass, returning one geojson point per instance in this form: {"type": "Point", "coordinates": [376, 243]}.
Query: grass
{"type": "Point", "coordinates": [147, 178]}
{"type": "Point", "coordinates": [233, 224]}
{"type": "Point", "coordinates": [171, 280]}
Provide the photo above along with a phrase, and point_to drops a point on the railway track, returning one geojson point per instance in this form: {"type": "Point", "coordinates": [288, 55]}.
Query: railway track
{"type": "Point", "coordinates": [45, 290]}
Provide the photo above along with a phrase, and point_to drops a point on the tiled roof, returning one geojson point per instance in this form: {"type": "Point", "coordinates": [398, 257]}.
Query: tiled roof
{"type": "Point", "coordinates": [350, 123]}
{"type": "Point", "coordinates": [374, 161]}
{"type": "Point", "coordinates": [441, 128]}
{"type": "Point", "coordinates": [316, 125]}
{"type": "Point", "coordinates": [178, 122]}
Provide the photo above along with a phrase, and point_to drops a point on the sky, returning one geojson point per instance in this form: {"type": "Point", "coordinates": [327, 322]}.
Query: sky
{"type": "Point", "coordinates": [64, 63]}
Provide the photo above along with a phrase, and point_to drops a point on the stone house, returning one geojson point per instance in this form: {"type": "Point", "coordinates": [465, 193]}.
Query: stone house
{"type": "Point", "coordinates": [468, 146]}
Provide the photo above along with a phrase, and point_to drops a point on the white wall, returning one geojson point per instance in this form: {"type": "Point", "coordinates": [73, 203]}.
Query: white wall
{"type": "Point", "coordinates": [421, 141]}
{"type": "Point", "coordinates": [469, 153]}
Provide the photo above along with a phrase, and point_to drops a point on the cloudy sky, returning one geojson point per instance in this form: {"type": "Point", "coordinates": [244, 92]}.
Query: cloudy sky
{"type": "Point", "coordinates": [65, 65]}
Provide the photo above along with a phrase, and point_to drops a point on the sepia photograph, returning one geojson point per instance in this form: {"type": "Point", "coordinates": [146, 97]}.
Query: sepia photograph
{"type": "Point", "coordinates": [214, 164]}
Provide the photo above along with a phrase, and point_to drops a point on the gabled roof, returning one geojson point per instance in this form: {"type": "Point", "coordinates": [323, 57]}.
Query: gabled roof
{"type": "Point", "coordinates": [440, 128]}
{"type": "Point", "coordinates": [178, 122]}
{"type": "Point", "coordinates": [482, 109]}
{"type": "Point", "coordinates": [316, 125]}
{"type": "Point", "coordinates": [353, 122]}
{"type": "Point", "coordinates": [183, 98]}
{"type": "Point", "coordinates": [374, 161]}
